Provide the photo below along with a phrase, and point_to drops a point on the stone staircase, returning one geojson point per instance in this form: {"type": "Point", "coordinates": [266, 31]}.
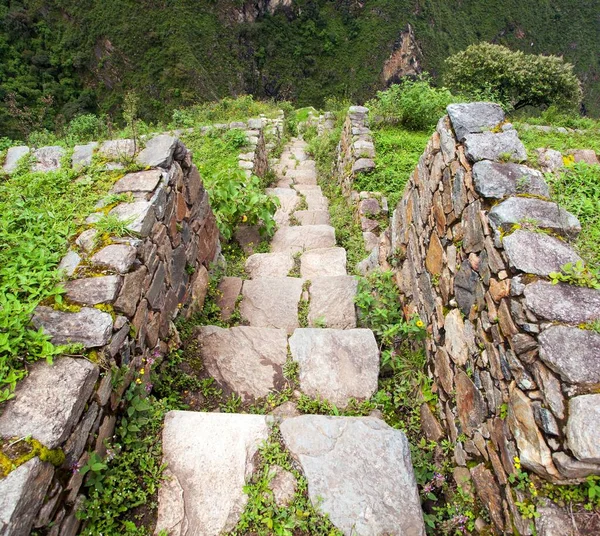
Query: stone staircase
{"type": "Point", "coordinates": [358, 469]}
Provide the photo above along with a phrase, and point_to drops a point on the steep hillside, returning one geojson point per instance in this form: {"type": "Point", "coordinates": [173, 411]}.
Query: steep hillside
{"type": "Point", "coordinates": [86, 54]}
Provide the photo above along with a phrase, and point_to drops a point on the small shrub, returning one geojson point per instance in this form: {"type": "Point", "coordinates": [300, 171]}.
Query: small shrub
{"type": "Point", "coordinates": [86, 128]}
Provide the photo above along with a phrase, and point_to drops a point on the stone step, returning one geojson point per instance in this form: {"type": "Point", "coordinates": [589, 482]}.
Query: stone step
{"type": "Point", "coordinates": [303, 188]}
{"type": "Point", "coordinates": [288, 200]}
{"type": "Point", "coordinates": [302, 176]}
{"type": "Point", "coordinates": [245, 360]}
{"type": "Point", "coordinates": [301, 238]}
{"type": "Point", "coordinates": [269, 265]}
{"type": "Point", "coordinates": [336, 364]}
{"type": "Point", "coordinates": [312, 217]}
{"type": "Point", "coordinates": [332, 302]}
{"type": "Point", "coordinates": [358, 470]}
{"type": "Point", "coordinates": [316, 200]}
{"type": "Point", "coordinates": [322, 262]}
{"type": "Point", "coordinates": [271, 302]}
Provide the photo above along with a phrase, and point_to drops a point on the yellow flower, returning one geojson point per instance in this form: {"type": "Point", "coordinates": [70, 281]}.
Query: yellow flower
{"type": "Point", "coordinates": [244, 218]}
{"type": "Point", "coordinates": [142, 371]}
{"type": "Point", "coordinates": [419, 323]}
{"type": "Point", "coordinates": [138, 381]}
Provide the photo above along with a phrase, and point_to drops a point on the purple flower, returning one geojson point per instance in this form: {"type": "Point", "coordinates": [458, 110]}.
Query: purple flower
{"type": "Point", "coordinates": [75, 468]}
{"type": "Point", "coordinates": [148, 387]}
{"type": "Point", "coordinates": [438, 479]}
{"type": "Point", "coordinates": [428, 487]}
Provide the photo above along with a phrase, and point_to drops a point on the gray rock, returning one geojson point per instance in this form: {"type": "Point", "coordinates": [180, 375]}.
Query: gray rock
{"type": "Point", "coordinates": [301, 238]}
{"type": "Point", "coordinates": [335, 364]}
{"type": "Point", "coordinates": [118, 149]}
{"type": "Point", "coordinates": [571, 468]}
{"type": "Point", "coordinates": [550, 160]}
{"type": "Point", "coordinates": [316, 201]}
{"type": "Point", "coordinates": [49, 401]}
{"type": "Point", "coordinates": [69, 263]}
{"type": "Point", "coordinates": [89, 327]}
{"type": "Point", "coordinates": [21, 495]}
{"type": "Point", "coordinates": [209, 458]}
{"type": "Point", "coordinates": [158, 151]}
{"type": "Point", "coordinates": [47, 158]}
{"type": "Point", "coordinates": [312, 217]}
{"type": "Point", "coordinates": [322, 262]}
{"type": "Point", "coordinates": [13, 156]}
{"type": "Point", "coordinates": [116, 257]}
{"type": "Point", "coordinates": [456, 341]}
{"type": "Point", "coordinates": [93, 290]}
{"type": "Point", "coordinates": [554, 521]}
{"type": "Point", "coordinates": [140, 181]}
{"type": "Point", "coordinates": [269, 265]}
{"type": "Point", "coordinates": [492, 146]}
{"type": "Point", "coordinates": [82, 154]}
{"type": "Point", "coordinates": [87, 240]}
{"type": "Point", "coordinates": [465, 285]}
{"type": "Point", "coordinates": [474, 117]}
{"type": "Point", "coordinates": [363, 165]}
{"type": "Point", "coordinates": [583, 428]}
{"type": "Point", "coordinates": [332, 302]}
{"type": "Point", "coordinates": [563, 302]}
{"type": "Point", "coordinates": [364, 149]}
{"type": "Point", "coordinates": [139, 215]}
{"type": "Point", "coordinates": [537, 253]}
{"type": "Point", "coordinates": [131, 291]}
{"type": "Point", "coordinates": [283, 485]}
{"type": "Point", "coordinates": [246, 360]}
{"type": "Point", "coordinates": [359, 472]}
{"type": "Point", "coordinates": [544, 214]}
{"type": "Point", "coordinates": [361, 110]}
{"type": "Point", "coordinates": [496, 180]}
{"type": "Point", "coordinates": [271, 302]}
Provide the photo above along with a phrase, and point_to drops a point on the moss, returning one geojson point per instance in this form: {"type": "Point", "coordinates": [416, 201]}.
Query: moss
{"type": "Point", "coordinates": [14, 452]}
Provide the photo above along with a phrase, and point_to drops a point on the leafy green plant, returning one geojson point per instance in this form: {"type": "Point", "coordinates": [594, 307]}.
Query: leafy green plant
{"type": "Point", "coordinates": [577, 274]}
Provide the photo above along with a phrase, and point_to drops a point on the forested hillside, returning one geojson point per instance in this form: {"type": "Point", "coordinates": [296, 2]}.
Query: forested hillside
{"type": "Point", "coordinates": [63, 58]}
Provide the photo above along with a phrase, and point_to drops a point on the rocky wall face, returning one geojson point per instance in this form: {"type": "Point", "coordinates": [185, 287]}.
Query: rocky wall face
{"type": "Point", "coordinates": [123, 295]}
{"type": "Point", "coordinates": [515, 372]}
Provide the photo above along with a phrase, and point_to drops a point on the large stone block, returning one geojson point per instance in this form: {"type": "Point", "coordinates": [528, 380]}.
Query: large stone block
{"type": "Point", "coordinates": [116, 257]}
{"type": "Point", "coordinates": [497, 180]}
{"type": "Point", "coordinates": [82, 154]}
{"type": "Point", "coordinates": [140, 181]}
{"type": "Point", "coordinates": [583, 427]}
{"type": "Point", "coordinates": [269, 265]}
{"type": "Point", "coordinates": [336, 364]}
{"type": "Point", "coordinates": [323, 262]}
{"type": "Point", "coordinates": [93, 290]}
{"type": "Point", "coordinates": [544, 214]}
{"type": "Point", "coordinates": [209, 458]}
{"type": "Point", "coordinates": [49, 401]}
{"type": "Point", "coordinates": [492, 146]}
{"type": "Point", "coordinates": [13, 156]}
{"type": "Point", "coordinates": [332, 302]}
{"type": "Point", "coordinates": [359, 473]}
{"type": "Point", "coordinates": [158, 151]}
{"type": "Point", "coordinates": [474, 117]}
{"type": "Point", "coordinates": [301, 238]}
{"type": "Point", "coordinates": [48, 158]}
{"type": "Point", "coordinates": [139, 215]}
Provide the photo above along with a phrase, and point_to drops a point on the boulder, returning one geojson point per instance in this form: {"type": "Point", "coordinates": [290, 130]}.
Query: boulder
{"type": "Point", "coordinates": [116, 257]}
{"type": "Point", "coordinates": [49, 401]}
{"type": "Point", "coordinates": [139, 215]}
{"type": "Point", "coordinates": [335, 364]}
{"type": "Point", "coordinates": [13, 156]}
{"type": "Point", "coordinates": [283, 485]}
{"type": "Point", "coordinates": [48, 158]}
{"type": "Point", "coordinates": [550, 160]}
{"type": "Point", "coordinates": [158, 152]}
{"type": "Point", "coordinates": [93, 290]}
{"type": "Point", "coordinates": [89, 327]}
{"type": "Point", "coordinates": [359, 473]}
{"type": "Point", "coordinates": [118, 149]}
{"type": "Point", "coordinates": [456, 340]}
{"type": "Point", "coordinates": [572, 468]}
{"type": "Point", "coordinates": [544, 214]}
{"type": "Point", "coordinates": [537, 253]}
{"type": "Point", "coordinates": [474, 117]}
{"type": "Point", "coordinates": [496, 180]}
{"type": "Point", "coordinates": [228, 292]}
{"type": "Point", "coordinates": [82, 154]}
{"type": "Point", "coordinates": [140, 181]}
{"type": "Point", "coordinates": [583, 427]}
{"type": "Point", "coordinates": [563, 302]}
{"type": "Point", "coordinates": [209, 459]}
{"type": "Point", "coordinates": [69, 263]}
{"type": "Point", "coordinates": [332, 302]}
{"type": "Point", "coordinates": [492, 146]}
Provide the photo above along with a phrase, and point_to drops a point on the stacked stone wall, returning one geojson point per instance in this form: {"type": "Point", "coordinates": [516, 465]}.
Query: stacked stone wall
{"type": "Point", "coordinates": [514, 366]}
{"type": "Point", "coordinates": [122, 296]}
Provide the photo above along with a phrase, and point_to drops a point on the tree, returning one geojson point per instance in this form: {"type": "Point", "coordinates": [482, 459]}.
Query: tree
{"type": "Point", "coordinates": [514, 78]}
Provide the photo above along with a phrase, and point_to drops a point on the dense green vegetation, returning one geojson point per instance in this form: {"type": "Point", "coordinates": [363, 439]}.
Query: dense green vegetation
{"type": "Point", "coordinates": [62, 59]}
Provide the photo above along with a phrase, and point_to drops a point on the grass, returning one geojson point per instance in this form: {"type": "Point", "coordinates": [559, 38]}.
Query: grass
{"type": "Point", "coordinates": [397, 154]}
{"type": "Point", "coordinates": [39, 214]}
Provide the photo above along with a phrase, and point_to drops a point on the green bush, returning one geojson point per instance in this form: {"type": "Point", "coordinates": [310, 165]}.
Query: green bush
{"type": "Point", "coordinates": [515, 78]}
{"type": "Point", "coordinates": [86, 128]}
{"type": "Point", "coordinates": [416, 104]}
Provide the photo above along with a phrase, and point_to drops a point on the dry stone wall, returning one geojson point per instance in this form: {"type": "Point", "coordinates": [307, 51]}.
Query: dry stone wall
{"type": "Point", "coordinates": [123, 295]}
{"type": "Point", "coordinates": [515, 369]}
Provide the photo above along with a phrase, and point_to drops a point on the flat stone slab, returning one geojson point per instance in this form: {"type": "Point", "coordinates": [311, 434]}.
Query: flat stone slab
{"type": "Point", "coordinates": [49, 401]}
{"type": "Point", "coordinates": [304, 188]}
{"type": "Point", "coordinates": [359, 472]}
{"type": "Point", "coordinates": [209, 458]}
{"type": "Point", "coordinates": [140, 216]}
{"type": "Point", "coordinates": [93, 290]}
{"type": "Point", "coordinates": [572, 352]}
{"type": "Point", "coordinates": [312, 217]}
{"type": "Point", "coordinates": [21, 494]}
{"type": "Point", "coordinates": [332, 302]}
{"type": "Point", "coordinates": [583, 427]}
{"type": "Point", "coordinates": [117, 149]}
{"type": "Point", "coordinates": [544, 214]}
{"type": "Point", "coordinates": [496, 180]}
{"type": "Point", "coordinates": [89, 327]}
{"type": "Point", "coordinates": [300, 238]}
{"type": "Point", "coordinates": [269, 265]}
{"type": "Point", "coordinates": [336, 364]}
{"type": "Point", "coordinates": [288, 200]}
{"type": "Point", "coordinates": [48, 158]}
{"type": "Point", "coordinates": [271, 302]}
{"type": "Point", "coordinates": [141, 181]}
{"type": "Point", "coordinates": [246, 360]}
{"type": "Point", "coordinates": [537, 253]}
{"type": "Point", "coordinates": [158, 151]}
{"type": "Point", "coordinates": [492, 146]}
{"type": "Point", "coordinates": [302, 176]}
{"type": "Point", "coordinates": [474, 117]}
{"type": "Point", "coordinates": [323, 262]}
{"type": "Point", "coordinates": [316, 201]}
{"type": "Point", "coordinates": [228, 292]}
{"type": "Point", "coordinates": [563, 302]}
{"type": "Point", "coordinates": [82, 154]}
{"type": "Point", "coordinates": [13, 156]}
{"type": "Point", "coordinates": [116, 257]}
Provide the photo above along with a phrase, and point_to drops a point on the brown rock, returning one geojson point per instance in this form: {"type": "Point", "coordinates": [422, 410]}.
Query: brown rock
{"type": "Point", "coordinates": [228, 292]}
{"type": "Point", "coordinates": [505, 320]}
{"type": "Point", "coordinates": [131, 291]}
{"type": "Point", "coordinates": [472, 409]}
{"type": "Point", "coordinates": [434, 261]}
{"type": "Point", "coordinates": [199, 289]}
{"type": "Point", "coordinates": [489, 493]}
{"type": "Point", "coordinates": [499, 289]}
{"type": "Point", "coordinates": [430, 425]}
{"type": "Point", "coordinates": [444, 370]}
{"type": "Point", "coordinates": [283, 485]}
